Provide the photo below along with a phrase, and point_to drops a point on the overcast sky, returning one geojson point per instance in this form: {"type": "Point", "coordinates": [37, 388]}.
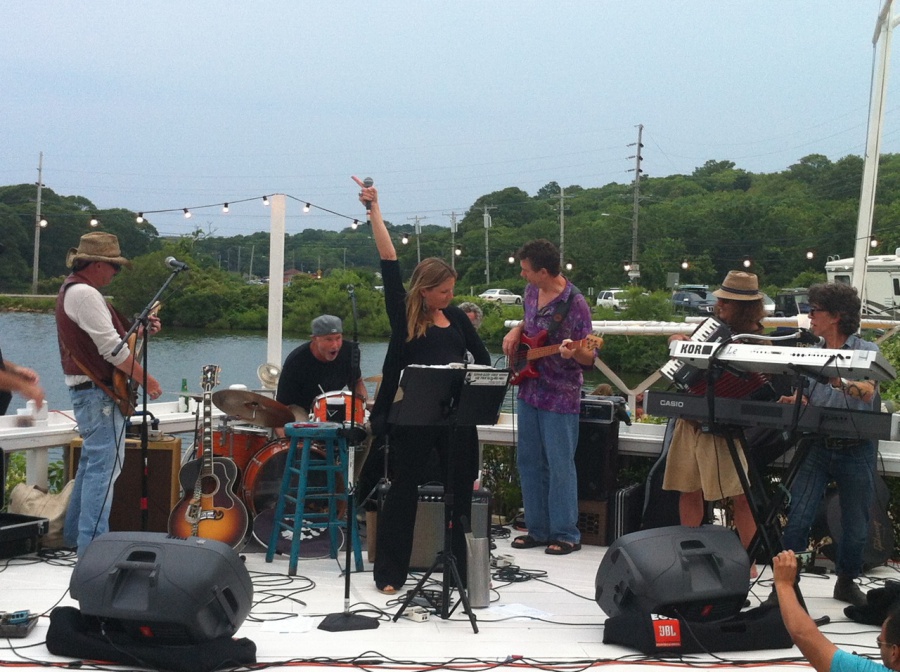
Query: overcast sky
{"type": "Point", "coordinates": [161, 105]}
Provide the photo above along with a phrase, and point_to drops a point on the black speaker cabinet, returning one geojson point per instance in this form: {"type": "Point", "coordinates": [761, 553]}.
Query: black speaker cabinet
{"type": "Point", "coordinates": [164, 464]}
{"type": "Point", "coordinates": [596, 459]}
{"type": "Point", "coordinates": [428, 534]}
{"type": "Point", "coordinates": [695, 573]}
{"type": "Point", "coordinates": [161, 589]}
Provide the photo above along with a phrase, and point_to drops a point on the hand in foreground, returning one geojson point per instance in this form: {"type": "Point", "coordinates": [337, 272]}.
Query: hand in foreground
{"type": "Point", "coordinates": [784, 568]}
{"type": "Point", "coordinates": [367, 195]}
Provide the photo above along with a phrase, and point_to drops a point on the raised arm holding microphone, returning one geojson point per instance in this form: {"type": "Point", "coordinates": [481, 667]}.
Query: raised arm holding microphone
{"type": "Point", "coordinates": [426, 330]}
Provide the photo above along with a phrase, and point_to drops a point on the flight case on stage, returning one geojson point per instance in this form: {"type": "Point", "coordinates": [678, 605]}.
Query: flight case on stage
{"type": "Point", "coordinates": [20, 534]}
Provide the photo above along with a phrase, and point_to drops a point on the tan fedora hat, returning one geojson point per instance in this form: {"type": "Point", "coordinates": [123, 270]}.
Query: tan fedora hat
{"type": "Point", "coordinates": [739, 286]}
{"type": "Point", "coordinates": [97, 246]}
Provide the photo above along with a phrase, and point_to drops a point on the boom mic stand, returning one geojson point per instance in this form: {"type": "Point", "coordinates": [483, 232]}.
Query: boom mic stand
{"type": "Point", "coordinates": [346, 620]}
{"type": "Point", "coordinates": [143, 320]}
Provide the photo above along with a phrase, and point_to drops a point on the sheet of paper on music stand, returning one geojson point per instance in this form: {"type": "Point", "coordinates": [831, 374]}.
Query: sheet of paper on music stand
{"type": "Point", "coordinates": [428, 395]}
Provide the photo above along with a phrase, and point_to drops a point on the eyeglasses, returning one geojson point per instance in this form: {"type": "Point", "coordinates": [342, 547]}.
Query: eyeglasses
{"type": "Point", "coordinates": [116, 267]}
{"type": "Point", "coordinates": [880, 642]}
{"type": "Point", "coordinates": [813, 311]}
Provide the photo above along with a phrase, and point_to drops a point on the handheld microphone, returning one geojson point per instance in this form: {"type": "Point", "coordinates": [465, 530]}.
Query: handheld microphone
{"type": "Point", "coordinates": [809, 338]}
{"type": "Point", "coordinates": [176, 265]}
{"type": "Point", "coordinates": [368, 182]}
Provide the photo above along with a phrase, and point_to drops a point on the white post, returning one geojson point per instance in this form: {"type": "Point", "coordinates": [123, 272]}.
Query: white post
{"type": "Point", "coordinates": [883, 30]}
{"type": "Point", "coordinates": [276, 278]}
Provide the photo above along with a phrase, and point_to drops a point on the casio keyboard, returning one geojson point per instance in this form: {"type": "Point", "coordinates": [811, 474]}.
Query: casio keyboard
{"type": "Point", "coordinates": [832, 422]}
{"type": "Point", "coordinates": [816, 362]}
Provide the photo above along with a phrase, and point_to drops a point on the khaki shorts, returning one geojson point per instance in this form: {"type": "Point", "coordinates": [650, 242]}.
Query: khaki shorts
{"type": "Point", "coordinates": [698, 461]}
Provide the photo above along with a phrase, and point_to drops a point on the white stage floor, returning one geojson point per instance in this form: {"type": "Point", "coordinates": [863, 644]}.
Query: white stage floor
{"type": "Point", "coordinates": [549, 620]}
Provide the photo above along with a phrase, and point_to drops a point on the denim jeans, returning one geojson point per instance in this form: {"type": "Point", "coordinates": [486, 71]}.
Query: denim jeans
{"type": "Point", "coordinates": [853, 469]}
{"type": "Point", "coordinates": [545, 456]}
{"type": "Point", "coordinates": [102, 430]}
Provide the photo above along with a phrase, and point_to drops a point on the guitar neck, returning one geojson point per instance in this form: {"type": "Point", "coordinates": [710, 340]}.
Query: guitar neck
{"type": "Point", "coordinates": [206, 467]}
{"type": "Point", "coordinates": [547, 350]}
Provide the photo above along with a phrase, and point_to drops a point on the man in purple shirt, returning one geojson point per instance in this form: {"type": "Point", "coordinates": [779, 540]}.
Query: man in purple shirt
{"type": "Point", "coordinates": [549, 403]}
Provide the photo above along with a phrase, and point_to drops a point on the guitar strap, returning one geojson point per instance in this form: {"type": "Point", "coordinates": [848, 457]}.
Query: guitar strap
{"type": "Point", "coordinates": [562, 309]}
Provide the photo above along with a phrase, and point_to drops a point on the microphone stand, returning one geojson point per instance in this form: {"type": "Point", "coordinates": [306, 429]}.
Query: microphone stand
{"type": "Point", "coordinates": [143, 320]}
{"type": "Point", "coordinates": [345, 621]}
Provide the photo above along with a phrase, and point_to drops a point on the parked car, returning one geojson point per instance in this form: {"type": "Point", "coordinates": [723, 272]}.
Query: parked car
{"type": "Point", "coordinates": [501, 296]}
{"type": "Point", "coordinates": [791, 302]}
{"type": "Point", "coordinates": [768, 304]}
{"type": "Point", "coordinates": [617, 299]}
{"type": "Point", "coordinates": [693, 303]}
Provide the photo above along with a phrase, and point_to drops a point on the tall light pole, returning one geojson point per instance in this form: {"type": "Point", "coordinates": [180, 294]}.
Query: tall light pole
{"type": "Point", "coordinates": [453, 250]}
{"type": "Point", "coordinates": [39, 223]}
{"type": "Point", "coordinates": [417, 219]}
{"type": "Point", "coordinates": [487, 254]}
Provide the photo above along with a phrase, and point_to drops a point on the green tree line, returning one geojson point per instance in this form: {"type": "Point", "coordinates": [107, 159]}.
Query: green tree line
{"type": "Point", "coordinates": [713, 218]}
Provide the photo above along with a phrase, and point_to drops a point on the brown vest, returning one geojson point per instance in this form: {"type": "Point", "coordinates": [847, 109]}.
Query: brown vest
{"type": "Point", "coordinates": [74, 342]}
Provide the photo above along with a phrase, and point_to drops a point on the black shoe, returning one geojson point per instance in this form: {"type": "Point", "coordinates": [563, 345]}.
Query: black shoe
{"type": "Point", "coordinates": [846, 590]}
{"type": "Point", "coordinates": [771, 601]}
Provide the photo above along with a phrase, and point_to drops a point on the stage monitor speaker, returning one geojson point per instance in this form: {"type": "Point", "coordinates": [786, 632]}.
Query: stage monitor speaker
{"type": "Point", "coordinates": [163, 590]}
{"type": "Point", "coordinates": [694, 573]}
{"type": "Point", "coordinates": [163, 466]}
{"type": "Point", "coordinates": [596, 459]}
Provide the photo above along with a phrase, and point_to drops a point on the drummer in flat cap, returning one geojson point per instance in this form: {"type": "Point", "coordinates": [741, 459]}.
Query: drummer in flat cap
{"type": "Point", "coordinates": [323, 364]}
{"type": "Point", "coordinates": [89, 329]}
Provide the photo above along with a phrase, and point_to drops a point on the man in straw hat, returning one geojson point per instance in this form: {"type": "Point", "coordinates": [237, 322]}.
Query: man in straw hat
{"type": "Point", "coordinates": [89, 329]}
{"type": "Point", "coordinates": [699, 465]}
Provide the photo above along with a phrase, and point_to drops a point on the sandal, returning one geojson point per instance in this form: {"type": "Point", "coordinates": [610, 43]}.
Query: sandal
{"type": "Point", "coordinates": [527, 541]}
{"type": "Point", "coordinates": [561, 548]}
{"type": "Point", "coordinates": [387, 590]}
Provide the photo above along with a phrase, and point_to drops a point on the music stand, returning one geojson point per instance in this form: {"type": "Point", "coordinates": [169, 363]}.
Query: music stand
{"type": "Point", "coordinates": [450, 396]}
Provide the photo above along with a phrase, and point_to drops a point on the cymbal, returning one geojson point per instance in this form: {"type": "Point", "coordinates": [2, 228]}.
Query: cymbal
{"type": "Point", "coordinates": [253, 408]}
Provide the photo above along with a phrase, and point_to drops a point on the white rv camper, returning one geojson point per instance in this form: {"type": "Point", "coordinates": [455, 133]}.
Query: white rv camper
{"type": "Point", "coordinates": [882, 291]}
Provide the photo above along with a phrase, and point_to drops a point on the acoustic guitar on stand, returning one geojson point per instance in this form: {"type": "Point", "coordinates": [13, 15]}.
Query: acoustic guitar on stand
{"type": "Point", "coordinates": [210, 508]}
{"type": "Point", "coordinates": [123, 385]}
{"type": "Point", "coordinates": [522, 363]}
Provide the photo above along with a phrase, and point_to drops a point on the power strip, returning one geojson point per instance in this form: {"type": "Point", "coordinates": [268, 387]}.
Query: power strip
{"type": "Point", "coordinates": [17, 623]}
{"type": "Point", "coordinates": [417, 614]}
{"type": "Point", "coordinates": [504, 560]}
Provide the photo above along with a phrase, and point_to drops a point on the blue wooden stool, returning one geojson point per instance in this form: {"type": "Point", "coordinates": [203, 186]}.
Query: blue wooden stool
{"type": "Point", "coordinates": [297, 490]}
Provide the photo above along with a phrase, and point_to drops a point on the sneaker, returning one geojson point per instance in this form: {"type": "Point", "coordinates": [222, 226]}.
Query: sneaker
{"type": "Point", "coordinates": [846, 590]}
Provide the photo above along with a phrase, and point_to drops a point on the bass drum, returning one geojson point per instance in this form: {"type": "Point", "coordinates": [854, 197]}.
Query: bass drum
{"type": "Point", "coordinates": [262, 483]}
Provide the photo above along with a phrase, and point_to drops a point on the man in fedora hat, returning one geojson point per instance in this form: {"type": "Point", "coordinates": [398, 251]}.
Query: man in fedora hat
{"type": "Point", "coordinates": [699, 465]}
{"type": "Point", "coordinates": [89, 329]}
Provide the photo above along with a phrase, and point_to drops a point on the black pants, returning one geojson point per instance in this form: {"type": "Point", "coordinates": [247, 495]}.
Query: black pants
{"type": "Point", "coordinates": [411, 450]}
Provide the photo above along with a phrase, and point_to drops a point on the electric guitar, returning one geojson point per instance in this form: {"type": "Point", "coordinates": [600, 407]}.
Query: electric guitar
{"type": "Point", "coordinates": [210, 508]}
{"type": "Point", "coordinates": [123, 385]}
{"type": "Point", "coordinates": [532, 348]}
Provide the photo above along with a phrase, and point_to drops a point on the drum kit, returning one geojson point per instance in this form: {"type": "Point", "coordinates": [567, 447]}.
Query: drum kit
{"type": "Point", "coordinates": [259, 455]}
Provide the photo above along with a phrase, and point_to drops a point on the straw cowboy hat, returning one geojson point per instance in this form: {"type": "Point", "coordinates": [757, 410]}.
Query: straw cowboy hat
{"type": "Point", "coordinates": [97, 246]}
{"type": "Point", "coordinates": [739, 286]}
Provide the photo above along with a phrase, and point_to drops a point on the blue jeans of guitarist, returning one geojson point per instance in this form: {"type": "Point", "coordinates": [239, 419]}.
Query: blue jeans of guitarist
{"type": "Point", "coordinates": [851, 464]}
{"type": "Point", "coordinates": [102, 430]}
{"type": "Point", "coordinates": [545, 456]}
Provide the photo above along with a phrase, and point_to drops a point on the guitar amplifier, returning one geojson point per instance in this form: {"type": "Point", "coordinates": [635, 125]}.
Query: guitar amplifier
{"type": "Point", "coordinates": [428, 535]}
{"type": "Point", "coordinates": [163, 466]}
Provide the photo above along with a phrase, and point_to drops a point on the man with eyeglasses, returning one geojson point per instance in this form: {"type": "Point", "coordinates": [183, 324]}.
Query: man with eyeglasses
{"type": "Point", "coordinates": [88, 330]}
{"type": "Point", "coordinates": [821, 653]}
{"type": "Point", "coordinates": [835, 316]}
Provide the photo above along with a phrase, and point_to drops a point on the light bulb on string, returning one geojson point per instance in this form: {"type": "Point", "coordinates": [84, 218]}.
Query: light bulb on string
{"type": "Point", "coordinates": [265, 200]}
{"type": "Point", "coordinates": [225, 207]}
{"type": "Point", "coordinates": [140, 218]}
{"type": "Point", "coordinates": [94, 221]}
{"type": "Point", "coordinates": [458, 251]}
{"type": "Point", "coordinates": [810, 254]}
{"type": "Point", "coordinates": [569, 266]}
{"type": "Point", "coordinates": [355, 224]}
{"type": "Point", "coordinates": [512, 259]}
{"type": "Point", "coordinates": [43, 223]}
{"type": "Point", "coordinates": [685, 264]}
{"type": "Point", "coordinates": [405, 239]}
{"type": "Point", "coordinates": [747, 262]}
{"type": "Point", "coordinates": [187, 213]}
{"type": "Point", "coordinates": [874, 243]}
{"type": "Point", "coordinates": [306, 208]}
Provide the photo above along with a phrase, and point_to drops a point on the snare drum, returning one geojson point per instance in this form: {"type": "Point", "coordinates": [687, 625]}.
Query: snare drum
{"type": "Point", "coordinates": [239, 443]}
{"type": "Point", "coordinates": [262, 479]}
{"type": "Point", "coordinates": [336, 407]}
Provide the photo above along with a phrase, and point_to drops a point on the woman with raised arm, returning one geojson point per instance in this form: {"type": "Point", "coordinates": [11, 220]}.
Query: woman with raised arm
{"type": "Point", "coordinates": [426, 330]}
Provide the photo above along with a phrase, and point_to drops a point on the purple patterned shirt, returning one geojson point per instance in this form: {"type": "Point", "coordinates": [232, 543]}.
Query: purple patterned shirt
{"type": "Point", "coordinates": [558, 387]}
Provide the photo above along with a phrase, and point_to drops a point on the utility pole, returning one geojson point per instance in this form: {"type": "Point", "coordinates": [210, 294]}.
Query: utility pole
{"type": "Point", "coordinates": [487, 254]}
{"type": "Point", "coordinates": [635, 273]}
{"type": "Point", "coordinates": [37, 228]}
{"type": "Point", "coordinates": [452, 216]}
{"type": "Point", "coordinates": [417, 219]}
{"type": "Point", "coordinates": [252, 250]}
{"type": "Point", "coordinates": [562, 225]}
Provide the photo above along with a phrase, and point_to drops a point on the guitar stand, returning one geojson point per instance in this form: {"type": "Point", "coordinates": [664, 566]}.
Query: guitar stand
{"type": "Point", "coordinates": [452, 397]}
